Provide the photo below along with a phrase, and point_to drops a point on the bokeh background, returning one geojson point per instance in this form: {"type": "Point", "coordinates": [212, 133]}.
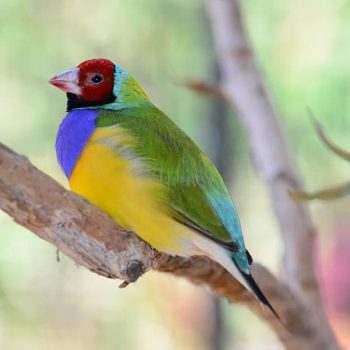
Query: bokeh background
{"type": "Point", "coordinates": [304, 51]}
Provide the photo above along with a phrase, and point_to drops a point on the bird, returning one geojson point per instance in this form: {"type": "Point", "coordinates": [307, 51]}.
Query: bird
{"type": "Point", "coordinates": [128, 158]}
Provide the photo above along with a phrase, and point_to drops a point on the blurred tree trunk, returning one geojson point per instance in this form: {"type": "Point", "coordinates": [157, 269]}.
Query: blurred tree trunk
{"type": "Point", "coordinates": [244, 89]}
{"type": "Point", "coordinates": [220, 152]}
{"type": "Point", "coordinates": [218, 336]}
{"type": "Point", "coordinates": [220, 135]}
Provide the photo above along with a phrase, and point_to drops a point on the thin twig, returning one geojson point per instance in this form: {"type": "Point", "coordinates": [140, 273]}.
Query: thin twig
{"type": "Point", "coordinates": [341, 153]}
{"type": "Point", "coordinates": [205, 88]}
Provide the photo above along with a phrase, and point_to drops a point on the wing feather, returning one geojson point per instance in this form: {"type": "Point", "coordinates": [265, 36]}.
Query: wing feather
{"type": "Point", "coordinates": [196, 194]}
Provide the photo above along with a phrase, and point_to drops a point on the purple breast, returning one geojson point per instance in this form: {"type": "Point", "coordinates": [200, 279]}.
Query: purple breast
{"type": "Point", "coordinates": [73, 134]}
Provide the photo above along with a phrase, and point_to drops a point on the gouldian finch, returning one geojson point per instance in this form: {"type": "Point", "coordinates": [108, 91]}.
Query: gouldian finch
{"type": "Point", "coordinates": [128, 158]}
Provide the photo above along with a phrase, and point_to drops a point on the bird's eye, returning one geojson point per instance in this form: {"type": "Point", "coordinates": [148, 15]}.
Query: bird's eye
{"type": "Point", "coordinates": [96, 79]}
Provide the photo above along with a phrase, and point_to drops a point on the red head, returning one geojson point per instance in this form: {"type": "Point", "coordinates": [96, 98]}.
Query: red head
{"type": "Point", "coordinates": [96, 79]}
{"type": "Point", "coordinates": [91, 82]}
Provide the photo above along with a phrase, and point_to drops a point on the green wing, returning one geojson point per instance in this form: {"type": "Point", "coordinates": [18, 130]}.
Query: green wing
{"type": "Point", "coordinates": [196, 194]}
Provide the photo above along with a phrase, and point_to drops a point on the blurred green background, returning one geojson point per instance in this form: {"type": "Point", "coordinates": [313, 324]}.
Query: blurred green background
{"type": "Point", "coordinates": [303, 48]}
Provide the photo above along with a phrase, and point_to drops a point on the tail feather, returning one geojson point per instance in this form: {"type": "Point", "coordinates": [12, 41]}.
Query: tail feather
{"type": "Point", "coordinates": [255, 289]}
{"type": "Point", "coordinates": [227, 260]}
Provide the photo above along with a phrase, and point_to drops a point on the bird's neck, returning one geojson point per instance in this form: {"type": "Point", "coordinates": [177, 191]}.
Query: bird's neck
{"type": "Point", "coordinates": [127, 90]}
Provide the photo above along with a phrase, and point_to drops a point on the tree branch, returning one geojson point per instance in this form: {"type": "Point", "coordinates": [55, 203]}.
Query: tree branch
{"type": "Point", "coordinates": [72, 224]}
{"type": "Point", "coordinates": [245, 91]}
{"type": "Point", "coordinates": [94, 240]}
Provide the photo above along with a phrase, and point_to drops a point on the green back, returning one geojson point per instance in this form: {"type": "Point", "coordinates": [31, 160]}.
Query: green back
{"type": "Point", "coordinates": [196, 193]}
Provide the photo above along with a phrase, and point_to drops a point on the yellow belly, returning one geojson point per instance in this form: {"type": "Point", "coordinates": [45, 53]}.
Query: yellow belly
{"type": "Point", "coordinates": [118, 185]}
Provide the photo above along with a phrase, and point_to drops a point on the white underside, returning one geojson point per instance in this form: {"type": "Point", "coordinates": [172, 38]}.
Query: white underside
{"type": "Point", "coordinates": [204, 246]}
